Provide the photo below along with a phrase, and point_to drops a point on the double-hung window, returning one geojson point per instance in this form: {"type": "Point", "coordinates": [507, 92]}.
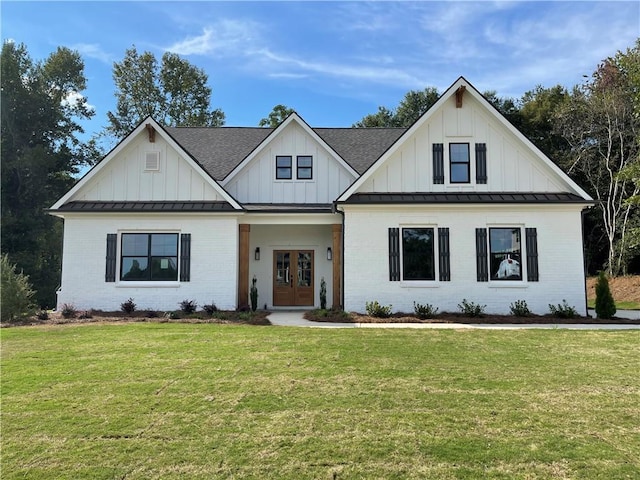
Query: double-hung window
{"type": "Point", "coordinates": [149, 257]}
{"type": "Point", "coordinates": [283, 167]}
{"type": "Point", "coordinates": [459, 163]}
{"type": "Point", "coordinates": [304, 167]}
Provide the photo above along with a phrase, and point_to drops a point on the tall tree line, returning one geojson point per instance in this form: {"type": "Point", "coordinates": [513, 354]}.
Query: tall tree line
{"type": "Point", "coordinates": [591, 131]}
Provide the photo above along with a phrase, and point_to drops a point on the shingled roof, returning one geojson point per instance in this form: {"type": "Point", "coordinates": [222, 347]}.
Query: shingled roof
{"type": "Point", "coordinates": [220, 149]}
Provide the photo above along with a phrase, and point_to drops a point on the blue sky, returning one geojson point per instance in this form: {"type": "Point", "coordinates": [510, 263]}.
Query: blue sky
{"type": "Point", "coordinates": [334, 62]}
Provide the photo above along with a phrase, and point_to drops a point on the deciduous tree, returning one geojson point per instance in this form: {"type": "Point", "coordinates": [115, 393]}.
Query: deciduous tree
{"type": "Point", "coordinates": [41, 106]}
{"type": "Point", "coordinates": [175, 93]}
{"type": "Point", "coordinates": [276, 117]}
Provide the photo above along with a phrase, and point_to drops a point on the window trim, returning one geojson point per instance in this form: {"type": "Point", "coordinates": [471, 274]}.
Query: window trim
{"type": "Point", "coordinates": [149, 280]}
{"type": "Point", "coordinates": [309, 168]}
{"type": "Point", "coordinates": [289, 167]}
{"type": "Point", "coordinates": [467, 162]}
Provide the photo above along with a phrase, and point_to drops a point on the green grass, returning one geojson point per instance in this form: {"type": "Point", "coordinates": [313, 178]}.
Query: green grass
{"type": "Point", "coordinates": [141, 401]}
{"type": "Point", "coordinates": [591, 303]}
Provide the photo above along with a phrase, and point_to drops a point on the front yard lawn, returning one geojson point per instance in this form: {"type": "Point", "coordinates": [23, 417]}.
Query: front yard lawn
{"type": "Point", "coordinates": [151, 400]}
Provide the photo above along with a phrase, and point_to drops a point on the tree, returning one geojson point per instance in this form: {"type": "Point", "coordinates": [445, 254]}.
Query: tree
{"type": "Point", "coordinates": [601, 124]}
{"type": "Point", "coordinates": [605, 305]}
{"type": "Point", "coordinates": [276, 117]}
{"type": "Point", "coordinates": [15, 290]}
{"type": "Point", "coordinates": [414, 104]}
{"type": "Point", "coordinates": [174, 94]}
{"type": "Point", "coordinates": [41, 152]}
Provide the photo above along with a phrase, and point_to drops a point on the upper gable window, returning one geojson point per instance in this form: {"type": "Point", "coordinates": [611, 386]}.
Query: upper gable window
{"type": "Point", "coordinates": [304, 167]}
{"type": "Point", "coordinates": [459, 163]}
{"type": "Point", "coordinates": [283, 167]}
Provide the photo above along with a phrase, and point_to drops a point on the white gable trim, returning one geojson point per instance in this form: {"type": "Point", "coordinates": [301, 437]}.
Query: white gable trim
{"type": "Point", "coordinates": [294, 117]}
{"type": "Point", "coordinates": [149, 121]}
{"type": "Point", "coordinates": [470, 90]}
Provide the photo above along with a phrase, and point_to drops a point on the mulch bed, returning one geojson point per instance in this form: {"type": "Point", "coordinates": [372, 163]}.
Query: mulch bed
{"type": "Point", "coordinates": [224, 318]}
{"type": "Point", "coordinates": [460, 318]}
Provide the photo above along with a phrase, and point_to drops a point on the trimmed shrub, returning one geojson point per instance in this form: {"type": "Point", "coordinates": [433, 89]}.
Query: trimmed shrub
{"type": "Point", "coordinates": [128, 307]}
{"type": "Point", "coordinates": [563, 310]}
{"type": "Point", "coordinates": [188, 306]}
{"type": "Point", "coordinates": [520, 308]}
{"type": "Point", "coordinates": [374, 309]}
{"type": "Point", "coordinates": [424, 311]}
{"type": "Point", "coordinates": [16, 290]}
{"type": "Point", "coordinates": [605, 305]}
{"type": "Point", "coordinates": [69, 311]}
{"type": "Point", "coordinates": [42, 315]}
{"type": "Point", "coordinates": [471, 309]}
{"type": "Point", "coordinates": [210, 308]}
{"type": "Point", "coordinates": [323, 294]}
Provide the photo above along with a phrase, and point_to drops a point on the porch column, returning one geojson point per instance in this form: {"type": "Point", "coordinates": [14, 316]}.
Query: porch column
{"type": "Point", "coordinates": [243, 267]}
{"type": "Point", "coordinates": [337, 264]}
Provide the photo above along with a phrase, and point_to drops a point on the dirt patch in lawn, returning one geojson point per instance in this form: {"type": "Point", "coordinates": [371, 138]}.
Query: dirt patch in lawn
{"type": "Point", "coordinates": [623, 289]}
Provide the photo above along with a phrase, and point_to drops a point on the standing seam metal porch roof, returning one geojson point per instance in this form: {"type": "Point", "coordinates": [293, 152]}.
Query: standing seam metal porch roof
{"type": "Point", "coordinates": [220, 149]}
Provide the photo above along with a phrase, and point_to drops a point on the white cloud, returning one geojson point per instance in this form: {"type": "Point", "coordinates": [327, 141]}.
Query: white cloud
{"type": "Point", "coordinates": [93, 50]}
{"type": "Point", "coordinates": [73, 98]}
{"type": "Point", "coordinates": [224, 38]}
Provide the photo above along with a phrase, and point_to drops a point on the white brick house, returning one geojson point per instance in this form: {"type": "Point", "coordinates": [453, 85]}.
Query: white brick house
{"type": "Point", "coordinates": [459, 205]}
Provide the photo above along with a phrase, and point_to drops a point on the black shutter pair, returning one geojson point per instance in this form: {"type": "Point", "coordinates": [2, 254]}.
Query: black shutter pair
{"type": "Point", "coordinates": [443, 253]}
{"type": "Point", "coordinates": [482, 255]}
{"type": "Point", "coordinates": [481, 163]}
{"type": "Point", "coordinates": [185, 257]}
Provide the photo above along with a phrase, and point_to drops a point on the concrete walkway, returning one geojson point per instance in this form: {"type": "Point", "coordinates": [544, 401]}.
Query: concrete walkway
{"type": "Point", "coordinates": [295, 318]}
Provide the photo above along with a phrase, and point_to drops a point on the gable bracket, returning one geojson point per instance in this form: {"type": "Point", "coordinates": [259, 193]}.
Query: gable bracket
{"type": "Point", "coordinates": [459, 94]}
{"type": "Point", "coordinates": [152, 133]}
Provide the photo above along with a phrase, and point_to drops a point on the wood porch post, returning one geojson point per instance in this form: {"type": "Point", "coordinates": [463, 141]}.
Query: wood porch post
{"type": "Point", "coordinates": [243, 267]}
{"type": "Point", "coordinates": [337, 264]}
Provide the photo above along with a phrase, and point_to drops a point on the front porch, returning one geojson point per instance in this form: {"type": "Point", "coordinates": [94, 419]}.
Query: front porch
{"type": "Point", "coordinates": [289, 261]}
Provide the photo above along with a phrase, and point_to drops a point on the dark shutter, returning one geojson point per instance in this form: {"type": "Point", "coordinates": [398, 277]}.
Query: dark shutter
{"type": "Point", "coordinates": [481, 255]}
{"type": "Point", "coordinates": [185, 257]}
{"type": "Point", "coordinates": [112, 244]}
{"type": "Point", "coordinates": [438, 163]}
{"type": "Point", "coordinates": [532, 254]}
{"type": "Point", "coordinates": [481, 163]}
{"type": "Point", "coordinates": [443, 251]}
{"type": "Point", "coordinates": [394, 254]}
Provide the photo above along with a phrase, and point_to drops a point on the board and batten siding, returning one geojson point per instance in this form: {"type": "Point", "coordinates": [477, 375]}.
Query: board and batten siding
{"type": "Point", "coordinates": [125, 177]}
{"type": "Point", "coordinates": [257, 182]}
{"type": "Point", "coordinates": [511, 165]}
{"type": "Point", "coordinates": [559, 242]}
{"type": "Point", "coordinates": [213, 265]}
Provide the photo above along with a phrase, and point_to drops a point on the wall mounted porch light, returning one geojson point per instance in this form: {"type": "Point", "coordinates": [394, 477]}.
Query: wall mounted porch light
{"type": "Point", "coordinates": [256, 254]}
{"type": "Point", "coordinates": [329, 254]}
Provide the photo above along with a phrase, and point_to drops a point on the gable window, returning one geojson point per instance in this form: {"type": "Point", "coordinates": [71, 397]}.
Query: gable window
{"type": "Point", "coordinates": [283, 167]}
{"type": "Point", "coordinates": [459, 163]}
{"type": "Point", "coordinates": [149, 257]}
{"type": "Point", "coordinates": [304, 167]}
{"type": "Point", "coordinates": [505, 254]}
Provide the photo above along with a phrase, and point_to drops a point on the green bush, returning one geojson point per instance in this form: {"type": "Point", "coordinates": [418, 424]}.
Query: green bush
{"type": "Point", "coordinates": [210, 308]}
{"type": "Point", "coordinates": [520, 308]}
{"type": "Point", "coordinates": [471, 309]}
{"type": "Point", "coordinates": [69, 311]}
{"type": "Point", "coordinates": [605, 305]}
{"type": "Point", "coordinates": [563, 310]}
{"type": "Point", "coordinates": [188, 306]}
{"type": "Point", "coordinates": [323, 294]}
{"type": "Point", "coordinates": [128, 307]}
{"type": "Point", "coordinates": [17, 294]}
{"type": "Point", "coordinates": [374, 309]}
{"type": "Point", "coordinates": [424, 311]}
